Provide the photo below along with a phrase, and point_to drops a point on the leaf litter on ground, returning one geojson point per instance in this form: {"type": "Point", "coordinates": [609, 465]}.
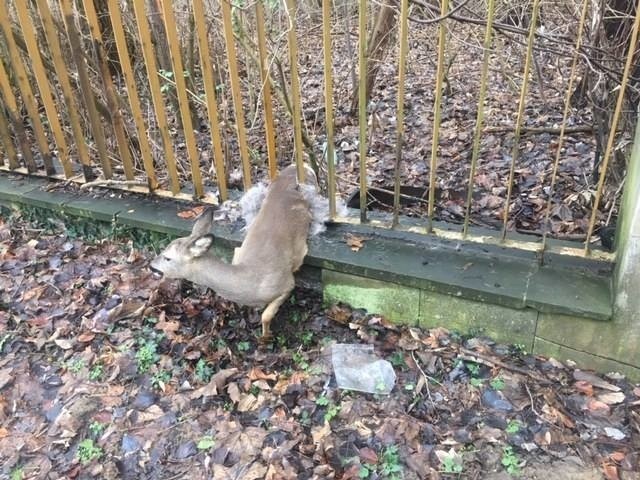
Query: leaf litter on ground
{"type": "Point", "coordinates": [107, 372]}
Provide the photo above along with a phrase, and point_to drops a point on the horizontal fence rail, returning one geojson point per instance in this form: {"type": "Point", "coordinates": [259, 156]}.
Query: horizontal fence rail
{"type": "Point", "coordinates": [192, 98]}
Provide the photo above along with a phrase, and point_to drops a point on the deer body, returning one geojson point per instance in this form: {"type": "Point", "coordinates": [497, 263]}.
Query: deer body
{"type": "Point", "coordinates": [261, 272]}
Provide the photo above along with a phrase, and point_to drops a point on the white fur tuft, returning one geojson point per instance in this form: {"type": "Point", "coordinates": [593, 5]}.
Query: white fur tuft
{"type": "Point", "coordinates": [251, 202]}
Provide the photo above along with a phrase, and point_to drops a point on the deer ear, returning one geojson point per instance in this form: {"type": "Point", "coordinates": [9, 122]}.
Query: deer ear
{"type": "Point", "coordinates": [203, 224]}
{"type": "Point", "coordinates": [201, 245]}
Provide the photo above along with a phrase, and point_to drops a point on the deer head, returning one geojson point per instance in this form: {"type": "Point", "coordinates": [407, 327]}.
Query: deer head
{"type": "Point", "coordinates": [179, 258]}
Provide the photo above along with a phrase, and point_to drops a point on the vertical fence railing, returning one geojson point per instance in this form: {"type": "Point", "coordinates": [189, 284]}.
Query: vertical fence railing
{"type": "Point", "coordinates": [210, 93]}
{"type": "Point", "coordinates": [85, 86]}
{"type": "Point", "coordinates": [328, 105]}
{"type": "Point", "coordinates": [402, 61]}
{"type": "Point", "coordinates": [132, 93]}
{"type": "Point", "coordinates": [156, 93]}
{"type": "Point", "coordinates": [292, 9]}
{"type": "Point", "coordinates": [42, 80]}
{"type": "Point", "coordinates": [181, 91]}
{"type": "Point", "coordinates": [442, 38]}
{"type": "Point", "coordinates": [16, 122]}
{"type": "Point", "coordinates": [565, 116]}
{"type": "Point", "coordinates": [91, 138]}
{"type": "Point", "coordinates": [29, 100]}
{"type": "Point", "coordinates": [633, 45]}
{"type": "Point", "coordinates": [113, 101]}
{"type": "Point", "coordinates": [7, 143]}
{"type": "Point", "coordinates": [234, 78]}
{"type": "Point", "coordinates": [362, 105]}
{"type": "Point", "coordinates": [477, 134]}
{"type": "Point", "coordinates": [515, 154]}
{"type": "Point", "coordinates": [270, 130]}
{"type": "Point", "coordinates": [64, 81]}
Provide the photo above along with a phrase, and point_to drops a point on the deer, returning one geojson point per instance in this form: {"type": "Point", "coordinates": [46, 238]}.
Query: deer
{"type": "Point", "coordinates": [261, 273]}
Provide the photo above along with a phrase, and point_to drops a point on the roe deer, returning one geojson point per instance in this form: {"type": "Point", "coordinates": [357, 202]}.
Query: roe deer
{"type": "Point", "coordinates": [261, 272]}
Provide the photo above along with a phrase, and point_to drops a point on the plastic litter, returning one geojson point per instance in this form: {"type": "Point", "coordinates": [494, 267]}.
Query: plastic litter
{"type": "Point", "coordinates": [357, 368]}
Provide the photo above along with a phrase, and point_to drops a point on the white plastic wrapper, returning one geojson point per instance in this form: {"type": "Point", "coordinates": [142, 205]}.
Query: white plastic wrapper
{"type": "Point", "coordinates": [356, 367]}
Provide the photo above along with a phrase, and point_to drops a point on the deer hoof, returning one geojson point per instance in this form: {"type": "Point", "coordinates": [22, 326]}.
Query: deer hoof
{"type": "Point", "coordinates": [266, 339]}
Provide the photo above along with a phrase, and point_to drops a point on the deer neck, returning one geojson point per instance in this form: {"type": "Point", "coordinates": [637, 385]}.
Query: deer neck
{"type": "Point", "coordinates": [233, 282]}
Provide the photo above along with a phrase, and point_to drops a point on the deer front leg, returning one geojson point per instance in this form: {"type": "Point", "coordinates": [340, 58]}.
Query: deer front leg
{"type": "Point", "coordinates": [268, 315]}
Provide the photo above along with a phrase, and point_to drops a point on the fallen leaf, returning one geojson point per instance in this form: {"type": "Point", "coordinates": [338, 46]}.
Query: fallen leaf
{"type": "Point", "coordinates": [64, 343]}
{"type": "Point", "coordinates": [367, 455]}
{"type": "Point", "coordinates": [610, 471]}
{"type": "Point", "coordinates": [594, 380]}
{"type": "Point", "coordinates": [191, 213]}
{"type": "Point", "coordinates": [86, 337]}
{"type": "Point", "coordinates": [612, 398]}
{"type": "Point", "coordinates": [256, 373]}
{"type": "Point", "coordinates": [354, 241]}
{"type": "Point", "coordinates": [596, 406]}
{"type": "Point", "coordinates": [584, 387]}
{"type": "Point", "coordinates": [234, 392]}
{"type": "Point", "coordinates": [617, 456]}
{"type": "Point", "coordinates": [319, 433]}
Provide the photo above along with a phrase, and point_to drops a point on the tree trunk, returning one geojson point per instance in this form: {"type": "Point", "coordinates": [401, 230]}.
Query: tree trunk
{"type": "Point", "coordinates": [378, 44]}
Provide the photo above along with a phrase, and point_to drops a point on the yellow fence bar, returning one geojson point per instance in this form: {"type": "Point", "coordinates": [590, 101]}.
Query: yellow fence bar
{"type": "Point", "coordinates": [480, 115]}
{"type": "Point", "coordinates": [113, 99]}
{"type": "Point", "coordinates": [565, 115]}
{"type": "Point", "coordinates": [328, 105]}
{"type": "Point", "coordinates": [156, 93]}
{"type": "Point", "coordinates": [633, 45]}
{"type": "Point", "coordinates": [269, 127]}
{"type": "Point", "coordinates": [442, 38]}
{"type": "Point", "coordinates": [523, 96]}
{"type": "Point", "coordinates": [42, 78]}
{"type": "Point", "coordinates": [132, 92]}
{"type": "Point", "coordinates": [28, 98]}
{"type": "Point", "coordinates": [85, 87]}
{"type": "Point", "coordinates": [65, 85]}
{"type": "Point", "coordinates": [232, 58]}
{"type": "Point", "coordinates": [7, 142]}
{"type": "Point", "coordinates": [296, 102]}
{"type": "Point", "coordinates": [210, 91]}
{"type": "Point", "coordinates": [16, 120]}
{"type": "Point", "coordinates": [110, 92]}
{"type": "Point", "coordinates": [362, 104]}
{"type": "Point", "coordinates": [402, 63]}
{"type": "Point", "coordinates": [181, 91]}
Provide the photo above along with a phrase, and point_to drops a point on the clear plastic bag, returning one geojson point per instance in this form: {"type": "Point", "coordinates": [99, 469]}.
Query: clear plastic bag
{"type": "Point", "coordinates": [356, 367]}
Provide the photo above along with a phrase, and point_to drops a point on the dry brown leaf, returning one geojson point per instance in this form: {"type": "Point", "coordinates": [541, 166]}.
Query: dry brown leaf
{"type": "Point", "coordinates": [256, 373]}
{"type": "Point", "coordinates": [596, 406]}
{"type": "Point", "coordinates": [594, 380]}
{"type": "Point", "coordinates": [339, 314]}
{"type": "Point", "coordinates": [234, 392]}
{"type": "Point", "coordinates": [368, 455]}
{"type": "Point", "coordinates": [354, 241]}
{"type": "Point", "coordinates": [584, 387]}
{"type": "Point", "coordinates": [319, 433]}
{"type": "Point", "coordinates": [249, 402]}
{"type": "Point", "coordinates": [86, 337]}
{"type": "Point", "coordinates": [152, 413]}
{"type": "Point", "coordinates": [617, 456]}
{"type": "Point", "coordinates": [191, 213]}
{"type": "Point", "coordinates": [612, 398]}
{"type": "Point", "coordinates": [610, 471]}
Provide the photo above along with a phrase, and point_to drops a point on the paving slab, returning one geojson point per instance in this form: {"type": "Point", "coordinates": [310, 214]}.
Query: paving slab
{"type": "Point", "coordinates": [570, 292]}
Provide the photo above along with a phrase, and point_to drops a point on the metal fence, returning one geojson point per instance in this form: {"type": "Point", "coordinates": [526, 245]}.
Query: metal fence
{"type": "Point", "coordinates": [99, 113]}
